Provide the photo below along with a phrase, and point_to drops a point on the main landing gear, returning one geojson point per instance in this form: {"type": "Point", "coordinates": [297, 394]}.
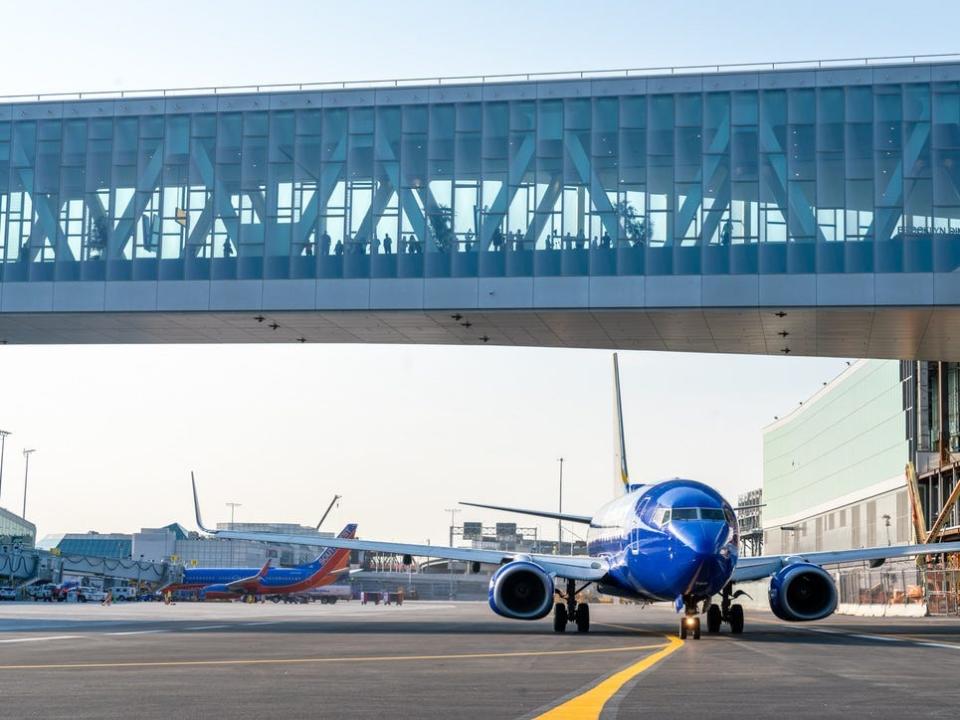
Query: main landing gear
{"type": "Point", "coordinates": [571, 611]}
{"type": "Point", "coordinates": [726, 612]}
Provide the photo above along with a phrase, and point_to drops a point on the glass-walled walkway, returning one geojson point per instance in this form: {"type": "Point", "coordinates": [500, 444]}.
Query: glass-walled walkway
{"type": "Point", "coordinates": [840, 171]}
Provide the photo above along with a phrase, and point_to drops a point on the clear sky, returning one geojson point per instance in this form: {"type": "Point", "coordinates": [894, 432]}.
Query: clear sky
{"type": "Point", "coordinates": [400, 432]}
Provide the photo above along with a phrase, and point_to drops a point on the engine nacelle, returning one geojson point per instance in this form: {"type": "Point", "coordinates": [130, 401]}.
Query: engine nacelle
{"type": "Point", "coordinates": [802, 592]}
{"type": "Point", "coordinates": [216, 592]}
{"type": "Point", "coordinates": [521, 590]}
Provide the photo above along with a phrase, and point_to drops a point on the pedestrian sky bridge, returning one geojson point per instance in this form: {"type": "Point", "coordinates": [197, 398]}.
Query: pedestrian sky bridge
{"type": "Point", "coordinates": [17, 566]}
{"type": "Point", "coordinates": [810, 209]}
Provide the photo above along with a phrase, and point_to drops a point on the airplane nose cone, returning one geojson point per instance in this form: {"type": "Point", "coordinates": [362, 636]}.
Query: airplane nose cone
{"type": "Point", "coordinates": [703, 538]}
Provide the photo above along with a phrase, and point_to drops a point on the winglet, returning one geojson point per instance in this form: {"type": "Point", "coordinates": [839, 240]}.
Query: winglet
{"type": "Point", "coordinates": [196, 505]}
{"type": "Point", "coordinates": [621, 475]}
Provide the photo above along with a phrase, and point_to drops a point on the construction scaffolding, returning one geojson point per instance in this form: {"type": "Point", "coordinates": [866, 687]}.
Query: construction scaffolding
{"type": "Point", "coordinates": [942, 586]}
{"type": "Point", "coordinates": [941, 573]}
{"type": "Point", "coordinates": [750, 522]}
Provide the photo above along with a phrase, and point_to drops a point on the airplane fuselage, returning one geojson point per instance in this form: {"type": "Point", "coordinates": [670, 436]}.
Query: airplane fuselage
{"type": "Point", "coordinates": [276, 581]}
{"type": "Point", "coordinates": [674, 539]}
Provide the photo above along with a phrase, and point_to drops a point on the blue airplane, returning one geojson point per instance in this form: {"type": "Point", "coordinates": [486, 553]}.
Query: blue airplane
{"type": "Point", "coordinates": [672, 541]}
{"type": "Point", "coordinates": [234, 583]}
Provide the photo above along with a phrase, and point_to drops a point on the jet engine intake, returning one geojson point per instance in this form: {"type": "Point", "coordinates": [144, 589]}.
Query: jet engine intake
{"type": "Point", "coordinates": [802, 592]}
{"type": "Point", "coordinates": [521, 590]}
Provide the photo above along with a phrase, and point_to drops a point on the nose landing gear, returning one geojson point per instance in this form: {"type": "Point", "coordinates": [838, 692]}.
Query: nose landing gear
{"type": "Point", "coordinates": [571, 611]}
{"type": "Point", "coordinates": [690, 622]}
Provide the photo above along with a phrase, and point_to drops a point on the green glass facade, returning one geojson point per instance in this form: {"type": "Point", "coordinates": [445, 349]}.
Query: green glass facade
{"type": "Point", "coordinates": [848, 438]}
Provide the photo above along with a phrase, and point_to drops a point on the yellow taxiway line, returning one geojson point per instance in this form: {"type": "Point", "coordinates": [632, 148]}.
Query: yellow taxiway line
{"type": "Point", "coordinates": [294, 661]}
{"type": "Point", "coordinates": [590, 704]}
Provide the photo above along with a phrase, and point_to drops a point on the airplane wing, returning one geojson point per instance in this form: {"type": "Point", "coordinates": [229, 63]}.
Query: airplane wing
{"type": "Point", "coordinates": [585, 519]}
{"type": "Point", "coordinates": [762, 566]}
{"type": "Point", "coordinates": [249, 584]}
{"type": "Point", "coordinates": [574, 567]}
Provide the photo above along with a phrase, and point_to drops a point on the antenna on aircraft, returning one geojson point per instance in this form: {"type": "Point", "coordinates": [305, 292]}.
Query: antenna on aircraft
{"type": "Point", "coordinates": [329, 508]}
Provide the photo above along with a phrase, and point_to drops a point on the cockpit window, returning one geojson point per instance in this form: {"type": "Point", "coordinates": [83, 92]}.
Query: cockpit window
{"type": "Point", "coordinates": [696, 514]}
{"type": "Point", "coordinates": [731, 518]}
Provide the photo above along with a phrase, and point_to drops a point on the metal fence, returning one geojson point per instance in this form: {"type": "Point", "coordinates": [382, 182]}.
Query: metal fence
{"type": "Point", "coordinates": [937, 587]}
{"type": "Point", "coordinates": [901, 585]}
{"type": "Point", "coordinates": [943, 592]}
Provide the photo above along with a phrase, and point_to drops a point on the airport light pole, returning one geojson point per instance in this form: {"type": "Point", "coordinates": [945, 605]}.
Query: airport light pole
{"type": "Point", "coordinates": [26, 476]}
{"type": "Point", "coordinates": [233, 506]}
{"type": "Point", "coordinates": [453, 519]}
{"type": "Point", "coordinates": [560, 510]}
{"type": "Point", "coordinates": [3, 446]}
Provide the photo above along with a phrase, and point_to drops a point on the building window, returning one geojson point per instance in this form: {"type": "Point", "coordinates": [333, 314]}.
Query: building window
{"type": "Point", "coordinates": [871, 523]}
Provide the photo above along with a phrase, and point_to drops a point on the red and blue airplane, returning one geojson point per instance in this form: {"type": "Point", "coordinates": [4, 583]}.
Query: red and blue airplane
{"type": "Point", "coordinates": [671, 541]}
{"type": "Point", "coordinates": [236, 583]}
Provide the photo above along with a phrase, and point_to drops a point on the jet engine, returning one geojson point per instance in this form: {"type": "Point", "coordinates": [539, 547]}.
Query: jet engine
{"type": "Point", "coordinates": [521, 590]}
{"type": "Point", "coordinates": [216, 592]}
{"type": "Point", "coordinates": [802, 592]}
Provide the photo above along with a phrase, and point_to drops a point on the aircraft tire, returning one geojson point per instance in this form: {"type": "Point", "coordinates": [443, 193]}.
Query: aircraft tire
{"type": "Point", "coordinates": [714, 619]}
{"type": "Point", "coordinates": [736, 619]}
{"type": "Point", "coordinates": [696, 628]}
{"type": "Point", "coordinates": [683, 629]}
{"type": "Point", "coordinates": [583, 618]}
{"type": "Point", "coordinates": [560, 618]}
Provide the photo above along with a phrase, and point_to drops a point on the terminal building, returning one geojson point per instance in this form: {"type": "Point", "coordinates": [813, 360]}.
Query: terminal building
{"type": "Point", "coordinates": [174, 544]}
{"type": "Point", "coordinates": [837, 471]}
{"type": "Point", "coordinates": [16, 531]}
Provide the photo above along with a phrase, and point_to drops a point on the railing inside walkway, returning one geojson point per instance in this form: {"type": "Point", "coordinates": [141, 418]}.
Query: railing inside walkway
{"type": "Point", "coordinates": [484, 79]}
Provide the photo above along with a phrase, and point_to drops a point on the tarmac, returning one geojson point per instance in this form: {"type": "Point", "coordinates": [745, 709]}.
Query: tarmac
{"type": "Point", "coordinates": [458, 659]}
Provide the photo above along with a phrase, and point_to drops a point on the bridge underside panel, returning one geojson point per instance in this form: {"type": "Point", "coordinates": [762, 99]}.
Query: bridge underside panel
{"type": "Point", "coordinates": [902, 332]}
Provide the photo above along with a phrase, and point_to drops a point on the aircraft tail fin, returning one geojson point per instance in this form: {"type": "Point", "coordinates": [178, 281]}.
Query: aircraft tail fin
{"type": "Point", "coordinates": [349, 531]}
{"type": "Point", "coordinates": [621, 475]}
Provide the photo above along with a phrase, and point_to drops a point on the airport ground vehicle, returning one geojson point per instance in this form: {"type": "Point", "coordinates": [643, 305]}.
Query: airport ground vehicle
{"type": "Point", "coordinates": [42, 592]}
{"type": "Point", "coordinates": [330, 594]}
{"type": "Point", "coordinates": [83, 594]}
{"type": "Point", "coordinates": [124, 593]}
{"type": "Point", "coordinates": [671, 541]}
{"type": "Point", "coordinates": [8, 593]}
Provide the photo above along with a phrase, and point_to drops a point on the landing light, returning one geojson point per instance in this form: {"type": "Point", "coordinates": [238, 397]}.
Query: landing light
{"type": "Point", "coordinates": [689, 620]}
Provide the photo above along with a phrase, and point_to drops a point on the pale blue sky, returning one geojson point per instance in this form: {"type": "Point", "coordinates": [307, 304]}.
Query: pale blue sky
{"type": "Point", "coordinates": [401, 432]}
